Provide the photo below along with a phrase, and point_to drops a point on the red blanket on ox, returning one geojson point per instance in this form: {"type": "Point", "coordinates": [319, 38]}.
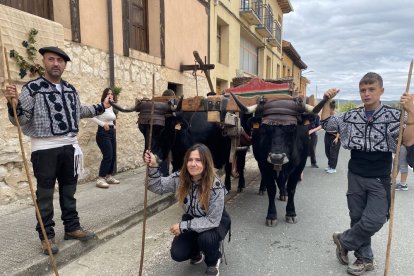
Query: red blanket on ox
{"type": "Point", "coordinates": [258, 86]}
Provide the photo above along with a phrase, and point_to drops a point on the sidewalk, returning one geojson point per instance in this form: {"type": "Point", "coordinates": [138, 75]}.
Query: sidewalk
{"type": "Point", "coordinates": [108, 212]}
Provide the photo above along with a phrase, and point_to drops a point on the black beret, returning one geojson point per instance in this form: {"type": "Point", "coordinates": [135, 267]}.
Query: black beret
{"type": "Point", "coordinates": [56, 51]}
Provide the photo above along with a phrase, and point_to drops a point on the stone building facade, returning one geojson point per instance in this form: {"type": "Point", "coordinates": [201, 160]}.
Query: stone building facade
{"type": "Point", "coordinates": [89, 73]}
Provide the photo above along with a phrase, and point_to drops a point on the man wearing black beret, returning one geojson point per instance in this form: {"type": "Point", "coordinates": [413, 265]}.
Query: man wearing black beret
{"type": "Point", "coordinates": [49, 110]}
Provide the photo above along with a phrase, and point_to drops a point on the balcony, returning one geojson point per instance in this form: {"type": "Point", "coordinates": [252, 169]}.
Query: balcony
{"type": "Point", "coordinates": [276, 39]}
{"type": "Point", "coordinates": [265, 30]}
{"type": "Point", "coordinates": [251, 11]}
{"type": "Point", "coordinates": [273, 42]}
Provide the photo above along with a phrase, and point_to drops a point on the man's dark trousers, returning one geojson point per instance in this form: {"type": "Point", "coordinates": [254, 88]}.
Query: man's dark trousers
{"type": "Point", "coordinates": [48, 166]}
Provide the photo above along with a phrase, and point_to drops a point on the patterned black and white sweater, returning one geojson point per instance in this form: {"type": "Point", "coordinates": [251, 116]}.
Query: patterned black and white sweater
{"type": "Point", "coordinates": [371, 141]}
{"type": "Point", "coordinates": [202, 220]}
{"type": "Point", "coordinates": [43, 111]}
{"type": "Point", "coordinates": [358, 133]}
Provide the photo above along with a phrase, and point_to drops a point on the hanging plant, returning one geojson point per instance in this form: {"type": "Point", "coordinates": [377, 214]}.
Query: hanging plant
{"type": "Point", "coordinates": [31, 65]}
{"type": "Point", "coordinates": [117, 91]}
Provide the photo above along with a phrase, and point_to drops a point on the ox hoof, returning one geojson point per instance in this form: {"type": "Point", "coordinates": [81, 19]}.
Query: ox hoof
{"type": "Point", "coordinates": [282, 198]}
{"type": "Point", "coordinates": [261, 192]}
{"type": "Point", "coordinates": [271, 222]}
{"type": "Point", "coordinates": [239, 190]}
{"type": "Point", "coordinates": [291, 220]}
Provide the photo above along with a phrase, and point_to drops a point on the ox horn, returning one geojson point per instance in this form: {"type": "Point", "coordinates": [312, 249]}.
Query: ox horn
{"type": "Point", "coordinates": [173, 104]}
{"type": "Point", "coordinates": [320, 105]}
{"type": "Point", "coordinates": [124, 109]}
{"type": "Point", "coordinates": [243, 108]}
{"type": "Point", "coordinates": [179, 104]}
{"type": "Point", "coordinates": [308, 108]}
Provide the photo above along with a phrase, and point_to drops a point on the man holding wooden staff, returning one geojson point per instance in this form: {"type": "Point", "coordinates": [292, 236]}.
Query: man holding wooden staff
{"type": "Point", "coordinates": [371, 133]}
{"type": "Point", "coordinates": [49, 110]}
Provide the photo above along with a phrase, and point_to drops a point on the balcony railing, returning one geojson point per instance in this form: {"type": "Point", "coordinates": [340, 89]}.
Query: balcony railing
{"type": "Point", "coordinates": [251, 11]}
{"type": "Point", "coordinates": [276, 39]}
{"type": "Point", "coordinates": [266, 28]}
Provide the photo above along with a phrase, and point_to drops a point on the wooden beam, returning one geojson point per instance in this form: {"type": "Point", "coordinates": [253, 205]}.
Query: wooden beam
{"type": "Point", "coordinates": [125, 26]}
{"type": "Point", "coordinates": [75, 20]}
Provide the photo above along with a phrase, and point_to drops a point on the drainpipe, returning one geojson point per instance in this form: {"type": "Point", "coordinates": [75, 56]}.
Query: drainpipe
{"type": "Point", "coordinates": [111, 45]}
{"type": "Point", "coordinates": [162, 31]}
{"type": "Point", "coordinates": [208, 33]}
{"type": "Point", "coordinates": [111, 61]}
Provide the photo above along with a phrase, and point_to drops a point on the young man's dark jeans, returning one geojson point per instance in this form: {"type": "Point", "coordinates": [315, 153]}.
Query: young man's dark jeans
{"type": "Point", "coordinates": [48, 166]}
{"type": "Point", "coordinates": [368, 208]}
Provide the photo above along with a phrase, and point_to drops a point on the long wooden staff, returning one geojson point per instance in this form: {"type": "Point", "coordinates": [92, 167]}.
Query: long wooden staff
{"type": "Point", "coordinates": [26, 166]}
{"type": "Point", "coordinates": [394, 175]}
{"type": "Point", "coordinates": [144, 221]}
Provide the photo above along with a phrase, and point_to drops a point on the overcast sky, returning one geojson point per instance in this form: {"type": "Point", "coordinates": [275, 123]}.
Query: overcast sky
{"type": "Point", "coordinates": [341, 40]}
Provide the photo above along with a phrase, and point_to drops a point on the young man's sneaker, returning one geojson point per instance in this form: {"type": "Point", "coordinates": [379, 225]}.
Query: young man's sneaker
{"type": "Point", "coordinates": [197, 259]}
{"type": "Point", "coordinates": [213, 270]}
{"type": "Point", "coordinates": [360, 266]}
{"type": "Point", "coordinates": [327, 169]}
{"type": "Point", "coordinates": [401, 187]}
{"type": "Point", "coordinates": [331, 171]}
{"type": "Point", "coordinates": [111, 180]}
{"type": "Point", "coordinates": [54, 248]}
{"type": "Point", "coordinates": [80, 234]}
{"type": "Point", "coordinates": [341, 252]}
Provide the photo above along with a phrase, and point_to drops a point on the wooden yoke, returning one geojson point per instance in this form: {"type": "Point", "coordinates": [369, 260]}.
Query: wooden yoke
{"type": "Point", "coordinates": [197, 103]}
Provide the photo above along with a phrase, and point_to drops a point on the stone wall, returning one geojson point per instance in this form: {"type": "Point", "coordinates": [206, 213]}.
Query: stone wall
{"type": "Point", "coordinates": [89, 73]}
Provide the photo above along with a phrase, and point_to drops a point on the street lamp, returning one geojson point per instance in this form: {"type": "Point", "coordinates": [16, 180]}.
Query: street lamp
{"type": "Point", "coordinates": [311, 71]}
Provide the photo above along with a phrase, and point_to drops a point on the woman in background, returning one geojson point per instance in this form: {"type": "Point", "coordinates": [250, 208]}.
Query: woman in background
{"type": "Point", "coordinates": [106, 140]}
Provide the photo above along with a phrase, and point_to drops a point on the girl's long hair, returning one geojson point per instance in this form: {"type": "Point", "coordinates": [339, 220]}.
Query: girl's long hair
{"type": "Point", "coordinates": [105, 93]}
{"type": "Point", "coordinates": [207, 176]}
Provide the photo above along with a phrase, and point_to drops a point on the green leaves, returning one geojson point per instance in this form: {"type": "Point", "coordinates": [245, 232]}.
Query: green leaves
{"type": "Point", "coordinates": [31, 65]}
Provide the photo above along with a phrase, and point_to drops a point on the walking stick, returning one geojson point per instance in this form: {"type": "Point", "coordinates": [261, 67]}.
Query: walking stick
{"type": "Point", "coordinates": [26, 166]}
{"type": "Point", "coordinates": [394, 175]}
{"type": "Point", "coordinates": [144, 221]}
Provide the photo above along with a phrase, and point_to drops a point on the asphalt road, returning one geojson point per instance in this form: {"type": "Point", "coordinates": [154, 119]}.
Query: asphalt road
{"type": "Point", "coordinates": [305, 248]}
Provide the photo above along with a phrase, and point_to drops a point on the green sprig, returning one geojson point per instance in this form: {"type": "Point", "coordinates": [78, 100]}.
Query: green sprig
{"type": "Point", "coordinates": [31, 50]}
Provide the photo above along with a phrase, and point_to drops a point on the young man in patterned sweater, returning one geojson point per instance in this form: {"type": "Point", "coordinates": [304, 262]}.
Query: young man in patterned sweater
{"type": "Point", "coordinates": [49, 110]}
{"type": "Point", "coordinates": [371, 133]}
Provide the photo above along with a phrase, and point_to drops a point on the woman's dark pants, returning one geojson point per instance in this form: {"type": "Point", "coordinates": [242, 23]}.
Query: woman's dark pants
{"type": "Point", "coordinates": [106, 141]}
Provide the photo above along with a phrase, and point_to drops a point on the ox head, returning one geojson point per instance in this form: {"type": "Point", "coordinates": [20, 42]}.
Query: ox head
{"type": "Point", "coordinates": [279, 137]}
{"type": "Point", "coordinates": [156, 113]}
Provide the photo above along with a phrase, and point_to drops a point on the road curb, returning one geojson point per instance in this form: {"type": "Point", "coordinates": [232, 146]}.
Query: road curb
{"type": "Point", "coordinates": [71, 250]}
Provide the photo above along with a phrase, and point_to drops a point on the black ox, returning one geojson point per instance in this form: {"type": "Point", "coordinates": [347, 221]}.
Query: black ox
{"type": "Point", "coordinates": [176, 131]}
{"type": "Point", "coordinates": [280, 146]}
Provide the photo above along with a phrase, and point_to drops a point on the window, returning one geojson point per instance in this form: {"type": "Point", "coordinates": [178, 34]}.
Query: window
{"type": "Point", "coordinates": [218, 50]}
{"type": "Point", "coordinates": [176, 87]}
{"type": "Point", "coordinates": [248, 56]}
{"type": "Point", "coordinates": [42, 8]}
{"type": "Point", "coordinates": [269, 18]}
{"type": "Point", "coordinates": [268, 68]}
{"type": "Point", "coordinates": [278, 32]}
{"type": "Point", "coordinates": [222, 42]}
{"type": "Point", "coordinates": [138, 27]}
